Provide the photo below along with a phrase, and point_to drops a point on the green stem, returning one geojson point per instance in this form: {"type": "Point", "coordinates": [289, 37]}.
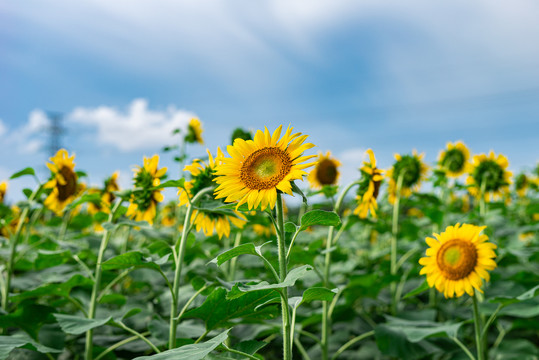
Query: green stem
{"type": "Point", "coordinates": [191, 299]}
{"type": "Point", "coordinates": [234, 351]}
{"type": "Point", "coordinates": [352, 342]}
{"type": "Point", "coordinates": [477, 326]}
{"type": "Point", "coordinates": [482, 203]}
{"type": "Point", "coordinates": [13, 250]}
{"type": "Point", "coordinates": [120, 343]}
{"type": "Point", "coordinates": [234, 261]}
{"type": "Point", "coordinates": [395, 230]}
{"type": "Point", "coordinates": [201, 337]}
{"type": "Point", "coordinates": [326, 328]}
{"type": "Point", "coordinates": [140, 336]}
{"type": "Point", "coordinates": [283, 271]}
{"type": "Point", "coordinates": [63, 228]}
{"type": "Point", "coordinates": [464, 348]}
{"type": "Point", "coordinates": [301, 349]}
{"type": "Point", "coordinates": [490, 321]}
{"type": "Point", "coordinates": [179, 252]}
{"type": "Point", "coordinates": [97, 281]}
{"type": "Point", "coordinates": [114, 282]}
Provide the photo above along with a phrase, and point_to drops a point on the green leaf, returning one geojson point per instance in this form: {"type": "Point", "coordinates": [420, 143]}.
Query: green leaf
{"type": "Point", "coordinates": [244, 249]}
{"type": "Point", "coordinates": [298, 191]}
{"type": "Point", "coordinates": [8, 343]}
{"type": "Point", "coordinates": [290, 227]}
{"type": "Point", "coordinates": [171, 184]}
{"type": "Point", "coordinates": [319, 217]}
{"type": "Point", "coordinates": [318, 293]}
{"type": "Point", "coordinates": [416, 331]}
{"type": "Point", "coordinates": [133, 258]}
{"type": "Point", "coordinates": [506, 300]}
{"type": "Point", "coordinates": [131, 223]}
{"type": "Point", "coordinates": [191, 351]}
{"type": "Point", "coordinates": [59, 289]}
{"type": "Point", "coordinates": [28, 316]}
{"type": "Point", "coordinates": [249, 347]}
{"type": "Point", "coordinates": [418, 290]}
{"type": "Point", "coordinates": [77, 325]}
{"type": "Point", "coordinates": [239, 289]}
{"type": "Point", "coordinates": [23, 172]}
{"type": "Point", "coordinates": [217, 310]}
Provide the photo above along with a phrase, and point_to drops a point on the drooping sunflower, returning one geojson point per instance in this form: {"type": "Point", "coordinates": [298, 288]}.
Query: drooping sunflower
{"type": "Point", "coordinates": [325, 172]}
{"type": "Point", "coordinates": [194, 132]}
{"type": "Point", "coordinates": [454, 159]}
{"type": "Point", "coordinates": [259, 168]}
{"type": "Point", "coordinates": [202, 176]}
{"type": "Point", "coordinates": [413, 171]}
{"type": "Point", "coordinates": [369, 187]}
{"type": "Point", "coordinates": [458, 259]}
{"type": "Point", "coordinates": [489, 172]}
{"type": "Point", "coordinates": [144, 200]}
{"type": "Point", "coordinates": [3, 189]}
{"type": "Point", "coordinates": [107, 196]}
{"type": "Point", "coordinates": [64, 183]}
{"type": "Point", "coordinates": [521, 184]}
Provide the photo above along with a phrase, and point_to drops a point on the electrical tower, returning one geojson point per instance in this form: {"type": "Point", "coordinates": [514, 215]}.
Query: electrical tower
{"type": "Point", "coordinates": [55, 130]}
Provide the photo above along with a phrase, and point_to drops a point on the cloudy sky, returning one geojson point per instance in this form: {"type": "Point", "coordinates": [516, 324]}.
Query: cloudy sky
{"type": "Point", "coordinates": [353, 74]}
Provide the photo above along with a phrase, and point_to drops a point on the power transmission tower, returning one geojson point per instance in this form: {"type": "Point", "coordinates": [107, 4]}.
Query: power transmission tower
{"type": "Point", "coordinates": [55, 130]}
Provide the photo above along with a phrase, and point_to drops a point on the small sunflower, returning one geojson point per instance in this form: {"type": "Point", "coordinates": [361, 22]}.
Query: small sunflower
{"type": "Point", "coordinates": [64, 183]}
{"type": "Point", "coordinates": [3, 188]}
{"type": "Point", "coordinates": [168, 215]}
{"type": "Point", "coordinates": [144, 199]}
{"type": "Point", "coordinates": [413, 170]}
{"type": "Point", "coordinates": [325, 172]}
{"type": "Point", "coordinates": [10, 226]}
{"type": "Point", "coordinates": [259, 168]}
{"type": "Point", "coordinates": [202, 176]}
{"type": "Point", "coordinates": [241, 134]}
{"type": "Point", "coordinates": [522, 184]}
{"type": "Point", "coordinates": [194, 132]}
{"type": "Point", "coordinates": [106, 195]}
{"type": "Point", "coordinates": [264, 231]}
{"type": "Point", "coordinates": [491, 173]}
{"type": "Point", "coordinates": [369, 187]}
{"type": "Point", "coordinates": [458, 259]}
{"type": "Point", "coordinates": [454, 159]}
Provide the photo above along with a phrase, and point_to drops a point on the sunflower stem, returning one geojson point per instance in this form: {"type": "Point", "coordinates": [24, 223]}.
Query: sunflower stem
{"type": "Point", "coordinates": [482, 203]}
{"type": "Point", "coordinates": [395, 230]}
{"type": "Point", "coordinates": [63, 228]}
{"type": "Point", "coordinates": [234, 261]}
{"type": "Point", "coordinates": [287, 345]}
{"type": "Point", "coordinates": [13, 250]}
{"type": "Point", "coordinates": [179, 252]}
{"type": "Point", "coordinates": [477, 326]}
{"type": "Point", "coordinates": [326, 326]}
{"type": "Point", "coordinates": [97, 281]}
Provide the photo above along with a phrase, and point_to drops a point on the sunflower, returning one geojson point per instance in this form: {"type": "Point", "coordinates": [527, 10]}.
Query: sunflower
{"type": "Point", "coordinates": [106, 195]}
{"type": "Point", "coordinates": [413, 170]}
{"type": "Point", "coordinates": [521, 184]}
{"type": "Point", "coordinates": [194, 132]}
{"type": "Point", "coordinates": [10, 227]}
{"type": "Point", "coordinates": [145, 197]}
{"type": "Point", "coordinates": [63, 183]}
{"type": "Point", "coordinates": [3, 188]}
{"type": "Point", "coordinates": [454, 159]}
{"type": "Point", "coordinates": [489, 172]}
{"type": "Point", "coordinates": [260, 167]}
{"type": "Point", "coordinates": [325, 171]}
{"type": "Point", "coordinates": [369, 187]}
{"type": "Point", "coordinates": [202, 176]}
{"type": "Point", "coordinates": [458, 259]}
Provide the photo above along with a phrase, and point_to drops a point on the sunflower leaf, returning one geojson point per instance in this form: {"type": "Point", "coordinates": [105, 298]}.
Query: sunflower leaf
{"type": "Point", "coordinates": [23, 172]}
{"type": "Point", "coordinates": [76, 325]}
{"type": "Point", "coordinates": [319, 217]}
{"type": "Point", "coordinates": [418, 290]}
{"type": "Point", "coordinates": [171, 184]}
{"type": "Point", "coordinates": [298, 191]}
{"type": "Point", "coordinates": [244, 249]}
{"type": "Point", "coordinates": [8, 343]}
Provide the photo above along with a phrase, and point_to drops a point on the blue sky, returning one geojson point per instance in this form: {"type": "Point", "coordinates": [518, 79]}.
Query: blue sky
{"type": "Point", "coordinates": [391, 75]}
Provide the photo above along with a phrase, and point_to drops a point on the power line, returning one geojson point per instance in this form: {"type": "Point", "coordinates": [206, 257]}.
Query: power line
{"type": "Point", "coordinates": [55, 131]}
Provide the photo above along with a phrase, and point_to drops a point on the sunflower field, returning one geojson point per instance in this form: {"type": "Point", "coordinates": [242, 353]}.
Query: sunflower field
{"type": "Point", "coordinates": [417, 261]}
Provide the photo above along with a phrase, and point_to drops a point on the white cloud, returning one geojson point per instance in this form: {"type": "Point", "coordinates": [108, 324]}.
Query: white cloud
{"type": "Point", "coordinates": [135, 129]}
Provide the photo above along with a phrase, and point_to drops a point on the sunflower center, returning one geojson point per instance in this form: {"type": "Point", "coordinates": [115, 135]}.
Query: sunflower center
{"type": "Point", "coordinates": [265, 168]}
{"type": "Point", "coordinates": [411, 166]}
{"type": "Point", "coordinates": [491, 173]}
{"type": "Point", "coordinates": [326, 172]}
{"type": "Point", "coordinates": [457, 259]}
{"type": "Point", "coordinates": [70, 186]}
{"type": "Point", "coordinates": [453, 160]}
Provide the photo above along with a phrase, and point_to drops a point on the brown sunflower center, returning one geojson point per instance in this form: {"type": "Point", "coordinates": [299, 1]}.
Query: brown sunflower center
{"type": "Point", "coordinates": [326, 172]}
{"type": "Point", "coordinates": [457, 259]}
{"type": "Point", "coordinates": [70, 187]}
{"type": "Point", "coordinates": [265, 168]}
